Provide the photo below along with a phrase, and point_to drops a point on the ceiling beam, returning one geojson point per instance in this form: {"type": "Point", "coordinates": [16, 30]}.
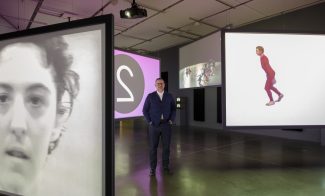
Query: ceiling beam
{"type": "Point", "coordinates": [188, 32]}
{"type": "Point", "coordinates": [8, 21]}
{"type": "Point", "coordinates": [134, 37]}
{"type": "Point", "coordinates": [175, 34]}
{"type": "Point", "coordinates": [208, 24]}
{"type": "Point", "coordinates": [149, 40]}
{"type": "Point", "coordinates": [230, 8]}
{"type": "Point", "coordinates": [24, 19]}
{"type": "Point", "coordinates": [195, 20]}
{"type": "Point", "coordinates": [38, 6]}
{"type": "Point", "coordinates": [137, 50]}
{"type": "Point", "coordinates": [157, 36]}
{"type": "Point", "coordinates": [226, 4]}
{"type": "Point", "coordinates": [102, 8]}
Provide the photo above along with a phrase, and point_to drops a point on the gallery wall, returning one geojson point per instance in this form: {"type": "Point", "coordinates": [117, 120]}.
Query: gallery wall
{"type": "Point", "coordinates": [169, 63]}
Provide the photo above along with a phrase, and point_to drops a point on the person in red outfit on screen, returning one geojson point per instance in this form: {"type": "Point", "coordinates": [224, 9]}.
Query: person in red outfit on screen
{"type": "Point", "coordinates": [270, 77]}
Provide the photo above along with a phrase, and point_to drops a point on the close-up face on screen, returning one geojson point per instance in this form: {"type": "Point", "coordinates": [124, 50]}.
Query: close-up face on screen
{"type": "Point", "coordinates": [51, 113]}
{"type": "Point", "coordinates": [274, 79]}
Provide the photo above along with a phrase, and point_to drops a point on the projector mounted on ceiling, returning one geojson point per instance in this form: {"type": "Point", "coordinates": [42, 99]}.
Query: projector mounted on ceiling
{"type": "Point", "coordinates": [133, 12]}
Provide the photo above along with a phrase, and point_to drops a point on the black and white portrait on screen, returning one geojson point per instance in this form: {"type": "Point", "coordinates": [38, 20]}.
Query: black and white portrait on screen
{"type": "Point", "coordinates": [51, 113]}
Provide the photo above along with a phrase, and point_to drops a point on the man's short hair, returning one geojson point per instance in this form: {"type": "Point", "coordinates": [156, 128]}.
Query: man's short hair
{"type": "Point", "coordinates": [160, 79]}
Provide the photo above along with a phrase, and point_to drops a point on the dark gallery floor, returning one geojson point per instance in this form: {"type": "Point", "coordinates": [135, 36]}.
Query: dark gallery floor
{"type": "Point", "coordinates": [211, 162]}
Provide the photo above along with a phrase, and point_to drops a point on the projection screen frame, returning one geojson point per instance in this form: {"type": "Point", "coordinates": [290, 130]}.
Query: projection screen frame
{"type": "Point", "coordinates": [223, 71]}
{"type": "Point", "coordinates": [107, 87]}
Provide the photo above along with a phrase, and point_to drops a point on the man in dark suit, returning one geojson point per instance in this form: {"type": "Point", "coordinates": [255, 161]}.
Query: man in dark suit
{"type": "Point", "coordinates": [159, 110]}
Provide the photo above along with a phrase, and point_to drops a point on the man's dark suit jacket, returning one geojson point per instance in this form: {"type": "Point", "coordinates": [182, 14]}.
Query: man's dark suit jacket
{"type": "Point", "coordinates": [154, 107]}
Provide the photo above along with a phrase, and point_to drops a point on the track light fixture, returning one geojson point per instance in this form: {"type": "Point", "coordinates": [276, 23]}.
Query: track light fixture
{"type": "Point", "coordinates": [133, 12]}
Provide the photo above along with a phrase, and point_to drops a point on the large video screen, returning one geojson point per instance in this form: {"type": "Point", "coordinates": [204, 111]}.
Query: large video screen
{"type": "Point", "coordinates": [200, 63]}
{"type": "Point", "coordinates": [274, 79]}
{"type": "Point", "coordinates": [135, 77]}
{"type": "Point", "coordinates": [52, 109]}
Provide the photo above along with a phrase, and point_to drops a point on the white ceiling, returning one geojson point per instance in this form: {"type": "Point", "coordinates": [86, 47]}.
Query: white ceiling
{"type": "Point", "coordinates": [169, 22]}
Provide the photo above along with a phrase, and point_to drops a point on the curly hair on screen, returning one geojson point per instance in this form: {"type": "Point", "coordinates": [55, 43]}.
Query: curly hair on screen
{"type": "Point", "coordinates": [66, 80]}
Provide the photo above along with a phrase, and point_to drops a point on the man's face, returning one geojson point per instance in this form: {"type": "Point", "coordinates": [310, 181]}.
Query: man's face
{"type": "Point", "coordinates": [160, 85]}
{"type": "Point", "coordinates": [259, 52]}
{"type": "Point", "coordinates": [27, 115]}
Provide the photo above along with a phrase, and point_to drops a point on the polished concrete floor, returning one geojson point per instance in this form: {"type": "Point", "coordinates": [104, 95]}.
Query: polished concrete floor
{"type": "Point", "coordinates": [211, 162]}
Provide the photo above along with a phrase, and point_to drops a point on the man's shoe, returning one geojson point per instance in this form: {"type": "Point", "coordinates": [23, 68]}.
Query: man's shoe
{"type": "Point", "coordinates": [167, 170]}
{"type": "Point", "coordinates": [280, 97]}
{"type": "Point", "coordinates": [152, 172]}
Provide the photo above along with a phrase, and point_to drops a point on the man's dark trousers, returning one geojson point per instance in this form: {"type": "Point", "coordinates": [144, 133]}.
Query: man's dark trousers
{"type": "Point", "coordinates": [163, 130]}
